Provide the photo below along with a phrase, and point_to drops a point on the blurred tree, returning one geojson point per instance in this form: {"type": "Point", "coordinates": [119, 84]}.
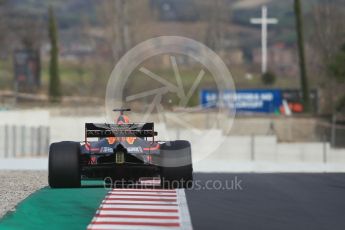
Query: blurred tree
{"type": "Point", "coordinates": [142, 23]}
{"type": "Point", "coordinates": [337, 65]}
{"type": "Point", "coordinates": [336, 68]}
{"type": "Point", "coordinates": [302, 64]}
{"type": "Point", "coordinates": [340, 105]}
{"type": "Point", "coordinates": [218, 18]}
{"type": "Point", "coordinates": [54, 81]}
{"type": "Point", "coordinates": [2, 23]}
{"type": "Point", "coordinates": [327, 36]}
{"type": "Point", "coordinates": [328, 28]}
{"type": "Point", "coordinates": [268, 78]}
{"type": "Point", "coordinates": [122, 27]}
{"type": "Point", "coordinates": [115, 17]}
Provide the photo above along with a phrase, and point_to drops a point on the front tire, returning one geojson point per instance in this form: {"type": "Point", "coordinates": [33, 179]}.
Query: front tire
{"type": "Point", "coordinates": [176, 164]}
{"type": "Point", "coordinates": [64, 165]}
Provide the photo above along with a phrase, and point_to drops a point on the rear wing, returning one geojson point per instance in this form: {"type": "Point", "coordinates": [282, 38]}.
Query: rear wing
{"type": "Point", "coordinates": [102, 130]}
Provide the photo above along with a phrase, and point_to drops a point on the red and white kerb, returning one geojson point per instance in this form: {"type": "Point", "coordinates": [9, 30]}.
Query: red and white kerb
{"type": "Point", "coordinates": [142, 209]}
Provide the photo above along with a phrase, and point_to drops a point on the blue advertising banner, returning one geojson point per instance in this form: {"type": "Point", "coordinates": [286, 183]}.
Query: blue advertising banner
{"type": "Point", "coordinates": [248, 100]}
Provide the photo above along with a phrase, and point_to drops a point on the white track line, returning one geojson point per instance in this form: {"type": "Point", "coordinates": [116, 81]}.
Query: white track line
{"type": "Point", "coordinates": [138, 206]}
{"type": "Point", "coordinates": [136, 202]}
{"type": "Point", "coordinates": [157, 197]}
{"type": "Point", "coordinates": [144, 213]}
{"type": "Point", "coordinates": [141, 193]}
{"type": "Point", "coordinates": [124, 227]}
{"type": "Point", "coordinates": [110, 219]}
{"type": "Point", "coordinates": [143, 209]}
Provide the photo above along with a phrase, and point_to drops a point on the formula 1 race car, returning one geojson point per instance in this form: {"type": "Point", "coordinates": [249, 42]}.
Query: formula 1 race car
{"type": "Point", "coordinates": [122, 151]}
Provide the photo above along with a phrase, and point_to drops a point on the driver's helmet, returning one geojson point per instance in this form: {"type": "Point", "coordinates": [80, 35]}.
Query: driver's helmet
{"type": "Point", "coordinates": [122, 119]}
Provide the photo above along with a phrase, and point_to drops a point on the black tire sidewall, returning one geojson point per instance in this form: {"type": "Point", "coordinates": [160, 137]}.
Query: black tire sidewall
{"type": "Point", "coordinates": [64, 165]}
{"type": "Point", "coordinates": [176, 164]}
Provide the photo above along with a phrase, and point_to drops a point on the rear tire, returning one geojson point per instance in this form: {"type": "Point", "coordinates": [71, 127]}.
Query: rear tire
{"type": "Point", "coordinates": [64, 165]}
{"type": "Point", "coordinates": [176, 165]}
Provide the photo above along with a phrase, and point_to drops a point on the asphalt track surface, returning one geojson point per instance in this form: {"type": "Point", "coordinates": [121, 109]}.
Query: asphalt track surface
{"type": "Point", "coordinates": [270, 201]}
{"type": "Point", "coordinates": [262, 201]}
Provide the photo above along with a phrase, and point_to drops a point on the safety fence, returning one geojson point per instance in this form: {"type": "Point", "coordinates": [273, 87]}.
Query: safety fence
{"type": "Point", "coordinates": [23, 141]}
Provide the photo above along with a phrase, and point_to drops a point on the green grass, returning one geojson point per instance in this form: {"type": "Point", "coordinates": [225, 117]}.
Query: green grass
{"type": "Point", "coordinates": [79, 79]}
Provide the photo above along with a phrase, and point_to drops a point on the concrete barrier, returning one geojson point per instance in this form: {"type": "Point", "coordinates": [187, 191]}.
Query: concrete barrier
{"type": "Point", "coordinates": [264, 148]}
{"type": "Point", "coordinates": [335, 155]}
{"type": "Point", "coordinates": [234, 148]}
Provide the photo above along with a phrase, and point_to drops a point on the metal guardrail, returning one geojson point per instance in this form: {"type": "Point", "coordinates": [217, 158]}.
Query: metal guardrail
{"type": "Point", "coordinates": [24, 141]}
